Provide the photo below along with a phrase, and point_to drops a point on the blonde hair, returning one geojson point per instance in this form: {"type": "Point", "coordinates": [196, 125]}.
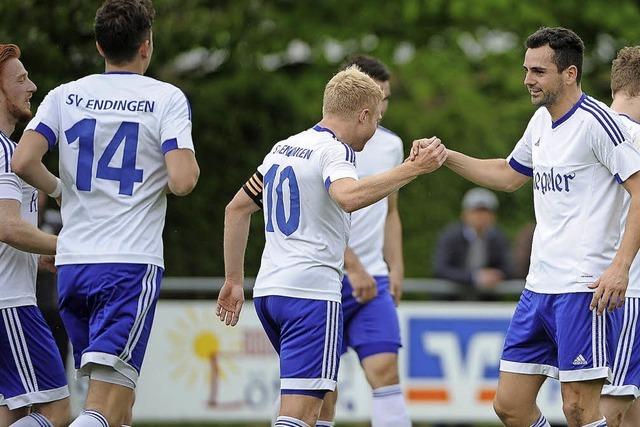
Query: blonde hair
{"type": "Point", "coordinates": [349, 92]}
{"type": "Point", "coordinates": [625, 71]}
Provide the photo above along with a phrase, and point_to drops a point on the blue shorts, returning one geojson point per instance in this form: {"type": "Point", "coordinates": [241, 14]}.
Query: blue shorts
{"type": "Point", "coordinates": [557, 335]}
{"type": "Point", "coordinates": [373, 327]}
{"type": "Point", "coordinates": [108, 310]}
{"type": "Point", "coordinates": [31, 371]}
{"type": "Point", "coordinates": [624, 342]}
{"type": "Point", "coordinates": [306, 334]}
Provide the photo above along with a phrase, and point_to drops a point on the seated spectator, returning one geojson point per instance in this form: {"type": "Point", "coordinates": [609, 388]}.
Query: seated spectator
{"type": "Point", "coordinates": [474, 251]}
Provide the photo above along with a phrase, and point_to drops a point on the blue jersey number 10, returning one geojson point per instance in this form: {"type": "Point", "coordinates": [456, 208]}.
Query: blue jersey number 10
{"type": "Point", "coordinates": [84, 131]}
{"type": "Point", "coordinates": [286, 225]}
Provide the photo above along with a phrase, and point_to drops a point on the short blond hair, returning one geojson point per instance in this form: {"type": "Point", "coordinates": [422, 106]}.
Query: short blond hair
{"type": "Point", "coordinates": [625, 72]}
{"type": "Point", "coordinates": [349, 92]}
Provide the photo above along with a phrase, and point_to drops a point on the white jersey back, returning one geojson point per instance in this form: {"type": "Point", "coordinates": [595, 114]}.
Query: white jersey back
{"type": "Point", "coordinates": [575, 163]}
{"type": "Point", "coordinates": [17, 269]}
{"type": "Point", "coordinates": [306, 231]}
{"type": "Point", "coordinates": [382, 152]}
{"type": "Point", "coordinates": [633, 290]}
{"type": "Point", "coordinates": [112, 131]}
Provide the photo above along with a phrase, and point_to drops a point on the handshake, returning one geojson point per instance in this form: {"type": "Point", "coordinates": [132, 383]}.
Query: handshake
{"type": "Point", "coordinates": [427, 154]}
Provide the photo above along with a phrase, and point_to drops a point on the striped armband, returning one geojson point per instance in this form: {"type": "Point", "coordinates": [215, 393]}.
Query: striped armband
{"type": "Point", "coordinates": [253, 188]}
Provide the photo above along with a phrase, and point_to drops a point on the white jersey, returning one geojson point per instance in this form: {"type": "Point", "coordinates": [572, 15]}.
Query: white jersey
{"type": "Point", "coordinates": [575, 163]}
{"type": "Point", "coordinates": [382, 152]}
{"type": "Point", "coordinates": [17, 269]}
{"type": "Point", "coordinates": [306, 230]}
{"type": "Point", "coordinates": [112, 131]}
{"type": "Point", "coordinates": [633, 290]}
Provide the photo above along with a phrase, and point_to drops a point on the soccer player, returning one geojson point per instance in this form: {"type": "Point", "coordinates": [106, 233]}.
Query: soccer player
{"type": "Point", "coordinates": [577, 151]}
{"type": "Point", "coordinates": [33, 384]}
{"type": "Point", "coordinates": [124, 140]}
{"type": "Point", "coordinates": [617, 401]}
{"type": "Point", "coordinates": [308, 185]}
{"type": "Point", "coordinates": [374, 270]}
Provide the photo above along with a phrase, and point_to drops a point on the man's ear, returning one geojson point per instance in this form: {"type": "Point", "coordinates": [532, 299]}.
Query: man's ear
{"type": "Point", "coordinates": [364, 114]}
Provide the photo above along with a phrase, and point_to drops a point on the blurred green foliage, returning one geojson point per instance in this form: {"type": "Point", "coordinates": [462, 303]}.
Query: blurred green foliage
{"type": "Point", "coordinates": [254, 71]}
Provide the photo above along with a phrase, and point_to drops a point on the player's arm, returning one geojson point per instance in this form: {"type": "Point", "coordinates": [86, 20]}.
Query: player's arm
{"type": "Point", "coordinates": [393, 247]}
{"type": "Point", "coordinates": [18, 233]}
{"type": "Point", "coordinates": [496, 174]}
{"type": "Point", "coordinates": [352, 194]}
{"type": "Point", "coordinates": [27, 163]}
{"type": "Point", "coordinates": [364, 285]}
{"type": "Point", "coordinates": [611, 286]}
{"type": "Point", "coordinates": [183, 171]}
{"type": "Point", "coordinates": [237, 219]}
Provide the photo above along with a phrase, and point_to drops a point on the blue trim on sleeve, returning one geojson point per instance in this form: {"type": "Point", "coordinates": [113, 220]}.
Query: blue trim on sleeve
{"type": "Point", "coordinates": [169, 145]}
{"type": "Point", "coordinates": [606, 128]}
{"type": "Point", "coordinates": [607, 117]}
{"type": "Point", "coordinates": [620, 181]}
{"type": "Point", "coordinates": [327, 183]}
{"type": "Point", "coordinates": [48, 134]}
{"type": "Point", "coordinates": [518, 167]}
{"type": "Point", "coordinates": [568, 113]}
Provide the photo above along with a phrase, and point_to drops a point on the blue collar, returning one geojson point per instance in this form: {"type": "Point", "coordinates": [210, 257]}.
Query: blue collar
{"type": "Point", "coordinates": [319, 128]}
{"type": "Point", "coordinates": [568, 113]}
{"type": "Point", "coordinates": [628, 117]}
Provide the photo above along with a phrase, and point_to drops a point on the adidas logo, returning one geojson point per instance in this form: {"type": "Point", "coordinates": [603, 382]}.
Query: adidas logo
{"type": "Point", "coordinates": [537, 143]}
{"type": "Point", "coordinates": [580, 360]}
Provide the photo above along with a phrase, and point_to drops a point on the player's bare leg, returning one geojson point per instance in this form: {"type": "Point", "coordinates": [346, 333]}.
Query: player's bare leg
{"type": "Point", "coordinates": [614, 409]}
{"type": "Point", "coordinates": [300, 407]}
{"type": "Point", "coordinates": [381, 369]}
{"type": "Point", "coordinates": [328, 411]}
{"type": "Point", "coordinates": [632, 417]}
{"type": "Point", "coordinates": [57, 412]}
{"type": "Point", "coordinates": [580, 401]}
{"type": "Point", "coordinates": [8, 417]}
{"type": "Point", "coordinates": [112, 401]}
{"type": "Point", "coordinates": [515, 401]}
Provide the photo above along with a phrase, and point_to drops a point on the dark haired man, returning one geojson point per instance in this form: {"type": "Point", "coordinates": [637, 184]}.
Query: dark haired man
{"type": "Point", "coordinates": [576, 150]}
{"type": "Point", "coordinates": [374, 273]}
{"type": "Point", "coordinates": [124, 141]}
{"type": "Point", "coordinates": [33, 385]}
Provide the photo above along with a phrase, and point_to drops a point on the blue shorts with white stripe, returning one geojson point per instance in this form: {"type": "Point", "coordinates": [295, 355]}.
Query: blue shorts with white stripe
{"type": "Point", "coordinates": [31, 371]}
{"type": "Point", "coordinates": [108, 311]}
{"type": "Point", "coordinates": [557, 335]}
{"type": "Point", "coordinates": [307, 335]}
{"type": "Point", "coordinates": [624, 339]}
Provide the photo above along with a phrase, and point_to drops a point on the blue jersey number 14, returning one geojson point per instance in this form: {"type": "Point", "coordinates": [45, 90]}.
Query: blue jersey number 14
{"type": "Point", "coordinates": [84, 131]}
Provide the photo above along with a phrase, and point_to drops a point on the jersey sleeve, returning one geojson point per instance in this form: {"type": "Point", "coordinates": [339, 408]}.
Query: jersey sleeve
{"type": "Point", "coordinates": [47, 118]}
{"type": "Point", "coordinates": [175, 130]}
{"type": "Point", "coordinates": [520, 158]}
{"type": "Point", "coordinates": [337, 162]}
{"type": "Point", "coordinates": [10, 187]}
{"type": "Point", "coordinates": [613, 146]}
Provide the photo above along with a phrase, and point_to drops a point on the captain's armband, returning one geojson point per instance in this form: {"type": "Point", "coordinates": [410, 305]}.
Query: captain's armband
{"type": "Point", "coordinates": [253, 188]}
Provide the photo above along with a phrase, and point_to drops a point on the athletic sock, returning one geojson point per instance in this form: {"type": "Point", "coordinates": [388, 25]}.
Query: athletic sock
{"type": "Point", "coordinates": [283, 421]}
{"type": "Point", "coordinates": [599, 423]}
{"type": "Point", "coordinates": [324, 423]}
{"type": "Point", "coordinates": [389, 408]}
{"type": "Point", "coordinates": [541, 422]}
{"type": "Point", "coordinates": [33, 420]}
{"type": "Point", "coordinates": [90, 419]}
